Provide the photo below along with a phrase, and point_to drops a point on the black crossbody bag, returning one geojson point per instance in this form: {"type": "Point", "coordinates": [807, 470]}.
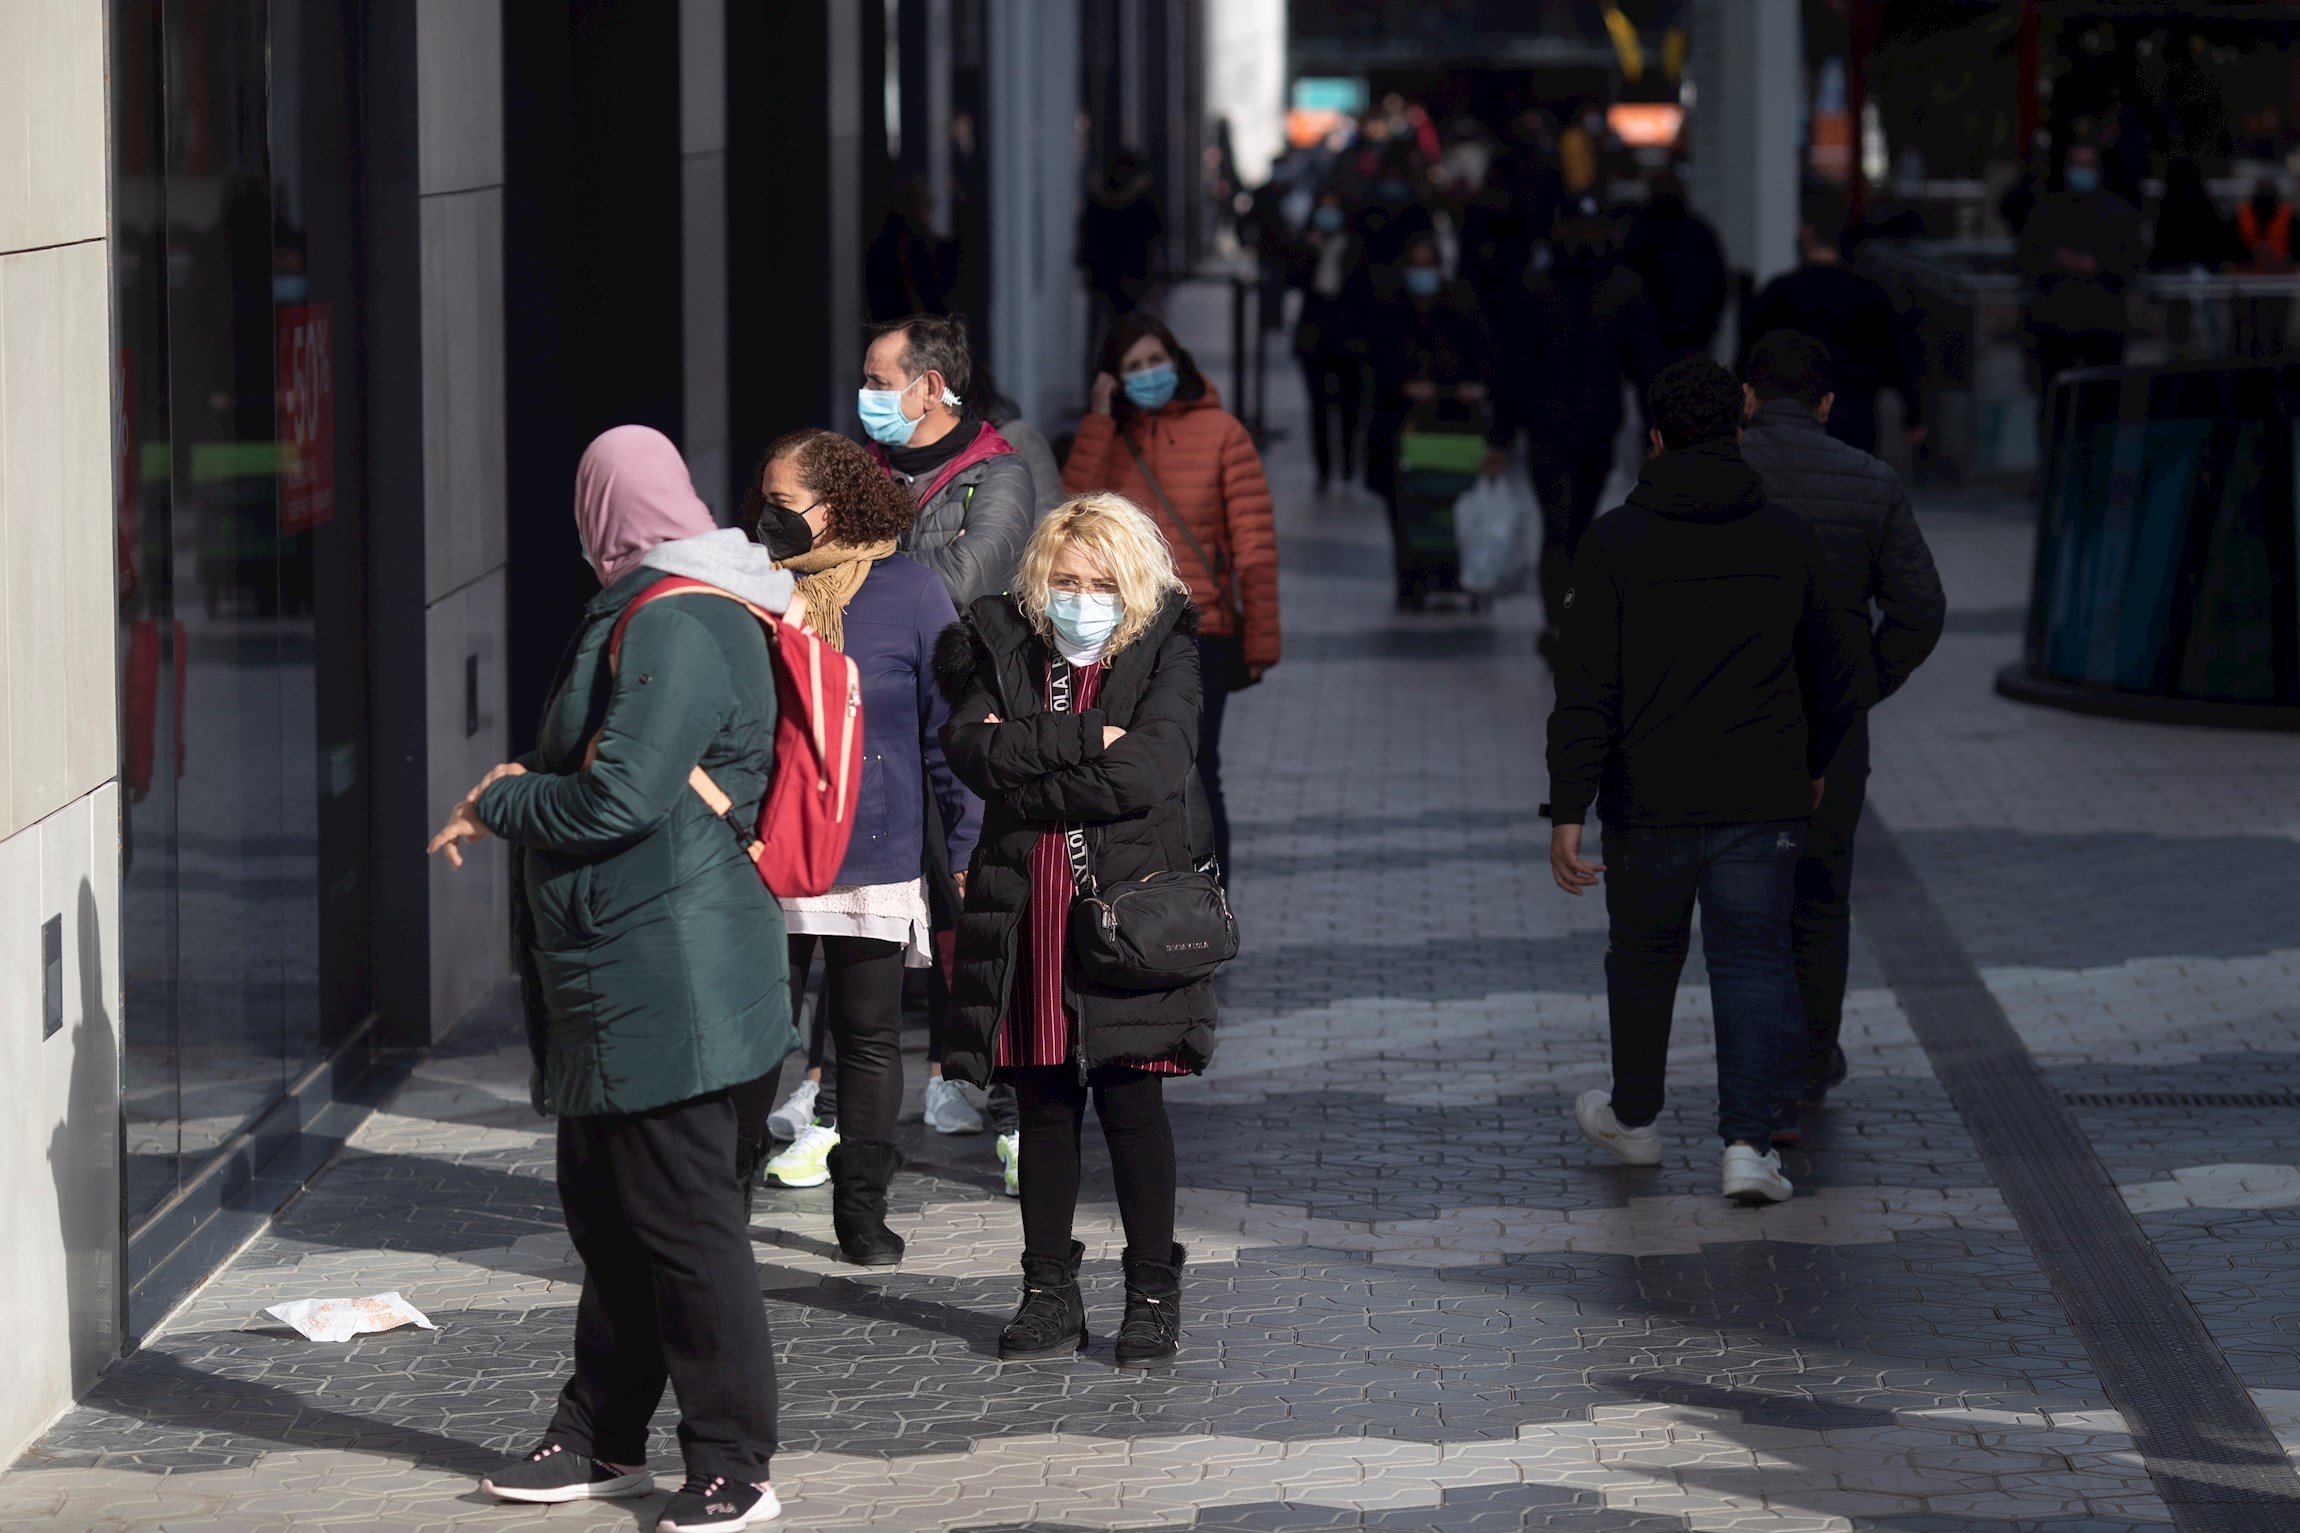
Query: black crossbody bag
{"type": "Point", "coordinates": [1157, 932]}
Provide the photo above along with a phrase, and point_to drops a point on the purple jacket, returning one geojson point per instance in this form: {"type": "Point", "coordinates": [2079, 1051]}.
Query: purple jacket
{"type": "Point", "coordinates": [891, 625]}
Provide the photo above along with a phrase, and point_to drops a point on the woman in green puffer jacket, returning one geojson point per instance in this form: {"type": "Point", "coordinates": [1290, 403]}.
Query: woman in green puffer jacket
{"type": "Point", "coordinates": [653, 965]}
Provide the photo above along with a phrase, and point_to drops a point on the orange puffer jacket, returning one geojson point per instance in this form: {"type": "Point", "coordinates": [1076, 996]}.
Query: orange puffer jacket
{"type": "Point", "coordinates": [1206, 463]}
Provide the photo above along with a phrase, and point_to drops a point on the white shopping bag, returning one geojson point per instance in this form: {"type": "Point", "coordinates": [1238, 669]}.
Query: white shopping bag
{"type": "Point", "coordinates": [1489, 527]}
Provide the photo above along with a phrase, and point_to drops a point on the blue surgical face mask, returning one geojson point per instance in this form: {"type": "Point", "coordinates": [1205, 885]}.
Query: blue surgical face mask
{"type": "Point", "coordinates": [1424, 281]}
{"type": "Point", "coordinates": [1083, 620]}
{"type": "Point", "coordinates": [1328, 218]}
{"type": "Point", "coordinates": [882, 416]}
{"type": "Point", "coordinates": [1150, 388]}
{"type": "Point", "coordinates": [2083, 178]}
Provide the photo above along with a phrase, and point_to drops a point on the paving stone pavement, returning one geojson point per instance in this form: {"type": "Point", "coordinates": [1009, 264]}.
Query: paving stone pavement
{"type": "Point", "coordinates": [1416, 1301]}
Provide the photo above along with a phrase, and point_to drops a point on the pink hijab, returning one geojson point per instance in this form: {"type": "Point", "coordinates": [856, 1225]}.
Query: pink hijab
{"type": "Point", "coordinates": [631, 493]}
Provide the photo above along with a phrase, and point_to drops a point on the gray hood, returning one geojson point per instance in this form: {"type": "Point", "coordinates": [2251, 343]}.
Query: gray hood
{"type": "Point", "coordinates": [728, 559]}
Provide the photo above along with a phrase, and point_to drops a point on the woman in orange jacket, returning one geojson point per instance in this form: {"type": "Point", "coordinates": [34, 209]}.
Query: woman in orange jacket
{"type": "Point", "coordinates": [1158, 435]}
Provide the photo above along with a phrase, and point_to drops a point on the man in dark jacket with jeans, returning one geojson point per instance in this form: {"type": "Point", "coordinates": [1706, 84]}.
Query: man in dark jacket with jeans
{"type": "Point", "coordinates": [1704, 680]}
{"type": "Point", "coordinates": [1877, 559]}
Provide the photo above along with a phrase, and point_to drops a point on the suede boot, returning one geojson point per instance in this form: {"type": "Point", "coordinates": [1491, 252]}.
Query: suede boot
{"type": "Point", "coordinates": [1051, 1321]}
{"type": "Point", "coordinates": [860, 1171]}
{"type": "Point", "coordinates": [1152, 1331]}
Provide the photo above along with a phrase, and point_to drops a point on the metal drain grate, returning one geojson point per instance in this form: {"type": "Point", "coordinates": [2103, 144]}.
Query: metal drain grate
{"type": "Point", "coordinates": [2181, 1098]}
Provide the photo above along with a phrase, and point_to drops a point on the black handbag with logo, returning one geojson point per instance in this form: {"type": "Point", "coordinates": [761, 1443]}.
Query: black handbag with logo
{"type": "Point", "coordinates": [1157, 932]}
{"type": "Point", "coordinates": [1161, 931]}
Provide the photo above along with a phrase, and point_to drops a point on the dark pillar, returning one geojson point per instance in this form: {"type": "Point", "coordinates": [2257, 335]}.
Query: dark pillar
{"type": "Point", "coordinates": [2027, 107]}
{"type": "Point", "coordinates": [798, 110]}
{"type": "Point", "coordinates": [393, 380]}
{"type": "Point", "coordinates": [592, 281]}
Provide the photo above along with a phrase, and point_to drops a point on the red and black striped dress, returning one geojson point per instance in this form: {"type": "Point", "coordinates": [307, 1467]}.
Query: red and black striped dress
{"type": "Point", "coordinates": [1037, 1029]}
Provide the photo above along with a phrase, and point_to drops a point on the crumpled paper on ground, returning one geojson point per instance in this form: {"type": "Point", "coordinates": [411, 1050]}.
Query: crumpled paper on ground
{"type": "Point", "coordinates": [342, 1319]}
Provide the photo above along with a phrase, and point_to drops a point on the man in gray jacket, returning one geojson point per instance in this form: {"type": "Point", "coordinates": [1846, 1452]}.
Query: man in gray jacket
{"type": "Point", "coordinates": [1881, 575]}
{"type": "Point", "coordinates": [976, 503]}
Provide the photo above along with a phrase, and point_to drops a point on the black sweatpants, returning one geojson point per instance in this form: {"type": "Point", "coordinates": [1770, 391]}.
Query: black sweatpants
{"type": "Point", "coordinates": [862, 1013]}
{"type": "Point", "coordinates": [1336, 385]}
{"type": "Point", "coordinates": [1132, 1106]}
{"type": "Point", "coordinates": [670, 1291]}
{"type": "Point", "coordinates": [1569, 486]}
{"type": "Point", "coordinates": [1821, 919]}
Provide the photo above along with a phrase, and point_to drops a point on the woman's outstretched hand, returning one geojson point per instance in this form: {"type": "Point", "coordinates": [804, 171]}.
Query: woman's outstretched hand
{"type": "Point", "coordinates": [463, 825]}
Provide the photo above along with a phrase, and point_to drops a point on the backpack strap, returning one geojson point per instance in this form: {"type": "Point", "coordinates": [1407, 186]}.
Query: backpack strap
{"type": "Point", "coordinates": [712, 795]}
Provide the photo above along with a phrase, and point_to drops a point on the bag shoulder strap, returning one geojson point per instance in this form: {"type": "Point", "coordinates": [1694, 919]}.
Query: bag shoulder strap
{"type": "Point", "coordinates": [712, 795]}
{"type": "Point", "coordinates": [1222, 593]}
{"type": "Point", "coordinates": [1062, 677]}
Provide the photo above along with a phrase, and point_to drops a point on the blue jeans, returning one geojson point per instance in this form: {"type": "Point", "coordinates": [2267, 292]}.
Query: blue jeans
{"type": "Point", "coordinates": [1744, 878]}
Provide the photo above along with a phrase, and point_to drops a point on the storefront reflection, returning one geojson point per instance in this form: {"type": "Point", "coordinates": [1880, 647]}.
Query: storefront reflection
{"type": "Point", "coordinates": [231, 509]}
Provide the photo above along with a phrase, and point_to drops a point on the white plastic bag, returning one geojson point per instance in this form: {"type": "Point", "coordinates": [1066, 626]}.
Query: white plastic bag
{"type": "Point", "coordinates": [1489, 529]}
{"type": "Point", "coordinates": [342, 1319]}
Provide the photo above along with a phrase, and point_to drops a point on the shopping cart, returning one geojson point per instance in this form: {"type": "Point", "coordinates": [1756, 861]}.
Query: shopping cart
{"type": "Point", "coordinates": [1438, 460]}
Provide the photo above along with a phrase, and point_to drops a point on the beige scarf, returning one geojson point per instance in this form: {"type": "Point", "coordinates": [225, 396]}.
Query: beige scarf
{"type": "Point", "coordinates": [829, 575]}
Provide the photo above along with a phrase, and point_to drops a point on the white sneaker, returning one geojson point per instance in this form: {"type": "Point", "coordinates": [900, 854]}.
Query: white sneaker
{"type": "Point", "coordinates": [1010, 1156]}
{"type": "Point", "coordinates": [807, 1163]}
{"type": "Point", "coordinates": [788, 1121]}
{"type": "Point", "coordinates": [1593, 1110]}
{"type": "Point", "coordinates": [950, 1108]}
{"type": "Point", "coordinates": [1752, 1178]}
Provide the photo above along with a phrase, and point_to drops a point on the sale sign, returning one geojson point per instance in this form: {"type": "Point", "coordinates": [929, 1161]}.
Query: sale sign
{"type": "Point", "coordinates": [306, 416]}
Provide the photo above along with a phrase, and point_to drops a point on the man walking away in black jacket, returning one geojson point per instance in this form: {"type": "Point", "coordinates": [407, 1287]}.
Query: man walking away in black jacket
{"type": "Point", "coordinates": [1872, 342]}
{"type": "Point", "coordinates": [1584, 327]}
{"type": "Point", "coordinates": [1704, 681]}
{"type": "Point", "coordinates": [1882, 582]}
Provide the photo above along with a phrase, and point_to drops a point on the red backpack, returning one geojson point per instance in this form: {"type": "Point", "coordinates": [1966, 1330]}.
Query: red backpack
{"type": "Point", "coordinates": [809, 810]}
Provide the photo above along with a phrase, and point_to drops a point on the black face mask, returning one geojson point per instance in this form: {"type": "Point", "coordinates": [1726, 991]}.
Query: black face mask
{"type": "Point", "coordinates": [785, 533]}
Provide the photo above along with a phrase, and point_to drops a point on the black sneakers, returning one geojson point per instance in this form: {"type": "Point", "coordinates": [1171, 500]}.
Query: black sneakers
{"type": "Point", "coordinates": [552, 1474]}
{"type": "Point", "coordinates": [706, 1504]}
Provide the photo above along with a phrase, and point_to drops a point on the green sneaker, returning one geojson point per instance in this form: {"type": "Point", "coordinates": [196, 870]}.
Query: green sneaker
{"type": "Point", "coordinates": [1010, 1156]}
{"type": "Point", "coordinates": [807, 1163]}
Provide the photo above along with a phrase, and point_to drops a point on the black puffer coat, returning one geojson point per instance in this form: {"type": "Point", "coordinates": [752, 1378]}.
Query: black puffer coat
{"type": "Point", "coordinates": [1875, 549]}
{"type": "Point", "coordinates": [1138, 800]}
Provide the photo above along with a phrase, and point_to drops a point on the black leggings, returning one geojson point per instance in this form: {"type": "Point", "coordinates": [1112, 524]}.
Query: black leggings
{"type": "Point", "coordinates": [862, 1010]}
{"type": "Point", "coordinates": [1132, 1106]}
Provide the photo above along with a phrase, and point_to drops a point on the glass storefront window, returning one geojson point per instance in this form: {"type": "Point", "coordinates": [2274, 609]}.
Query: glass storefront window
{"type": "Point", "coordinates": [242, 602]}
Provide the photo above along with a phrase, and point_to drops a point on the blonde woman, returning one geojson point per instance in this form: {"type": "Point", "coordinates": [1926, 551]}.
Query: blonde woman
{"type": "Point", "coordinates": [1075, 702]}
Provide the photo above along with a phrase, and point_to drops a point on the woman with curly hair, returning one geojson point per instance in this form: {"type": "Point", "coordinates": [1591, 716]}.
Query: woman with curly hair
{"type": "Point", "coordinates": [832, 517]}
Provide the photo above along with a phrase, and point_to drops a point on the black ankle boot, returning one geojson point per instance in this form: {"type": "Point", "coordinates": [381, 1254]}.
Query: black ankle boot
{"type": "Point", "coordinates": [860, 1171]}
{"type": "Point", "coordinates": [1152, 1331]}
{"type": "Point", "coordinates": [1052, 1319]}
